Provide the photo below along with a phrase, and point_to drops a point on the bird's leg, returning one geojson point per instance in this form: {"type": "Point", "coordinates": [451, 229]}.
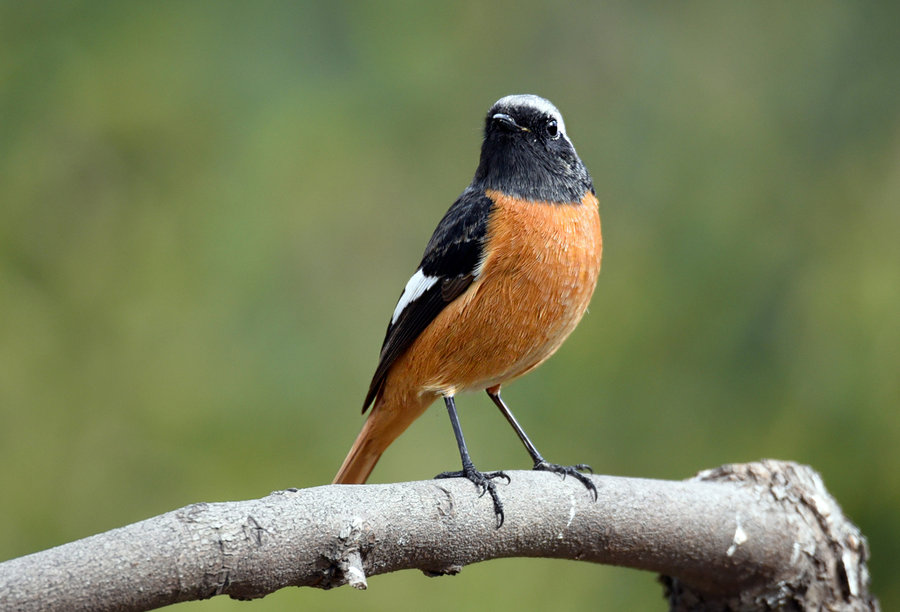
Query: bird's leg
{"type": "Point", "coordinates": [539, 462]}
{"type": "Point", "coordinates": [482, 480]}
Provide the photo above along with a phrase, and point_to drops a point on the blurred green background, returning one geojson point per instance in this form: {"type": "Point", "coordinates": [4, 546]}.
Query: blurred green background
{"type": "Point", "coordinates": [208, 210]}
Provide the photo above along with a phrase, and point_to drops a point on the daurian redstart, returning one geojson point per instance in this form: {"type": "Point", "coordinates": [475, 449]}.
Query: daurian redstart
{"type": "Point", "coordinates": [505, 278]}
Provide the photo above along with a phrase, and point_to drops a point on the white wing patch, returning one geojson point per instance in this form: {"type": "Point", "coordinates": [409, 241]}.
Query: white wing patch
{"type": "Point", "coordinates": [418, 284]}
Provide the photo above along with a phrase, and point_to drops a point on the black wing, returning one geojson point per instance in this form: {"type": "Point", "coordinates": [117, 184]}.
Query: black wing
{"type": "Point", "coordinates": [451, 257]}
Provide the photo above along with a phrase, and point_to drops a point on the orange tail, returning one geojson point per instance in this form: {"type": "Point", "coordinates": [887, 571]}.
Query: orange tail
{"type": "Point", "coordinates": [390, 417]}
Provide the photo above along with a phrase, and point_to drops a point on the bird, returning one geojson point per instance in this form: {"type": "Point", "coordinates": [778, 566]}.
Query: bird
{"type": "Point", "coordinates": [505, 278]}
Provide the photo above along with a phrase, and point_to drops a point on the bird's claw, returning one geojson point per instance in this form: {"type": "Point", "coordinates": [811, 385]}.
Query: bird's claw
{"type": "Point", "coordinates": [574, 471]}
{"type": "Point", "coordinates": [482, 481]}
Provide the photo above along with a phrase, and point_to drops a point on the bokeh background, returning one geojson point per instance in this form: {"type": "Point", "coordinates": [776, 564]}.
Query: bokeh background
{"type": "Point", "coordinates": [208, 210]}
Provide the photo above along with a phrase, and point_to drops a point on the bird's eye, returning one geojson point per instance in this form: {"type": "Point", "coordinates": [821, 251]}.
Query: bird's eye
{"type": "Point", "coordinates": [552, 129]}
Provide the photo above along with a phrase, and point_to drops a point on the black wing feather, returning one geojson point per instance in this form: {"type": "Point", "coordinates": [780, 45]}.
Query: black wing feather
{"type": "Point", "coordinates": [452, 255]}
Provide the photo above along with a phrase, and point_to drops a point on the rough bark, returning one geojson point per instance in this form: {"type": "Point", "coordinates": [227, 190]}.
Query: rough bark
{"type": "Point", "coordinates": [759, 536]}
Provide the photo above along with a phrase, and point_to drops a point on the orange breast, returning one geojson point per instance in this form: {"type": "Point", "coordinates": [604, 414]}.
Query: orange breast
{"type": "Point", "coordinates": [537, 278]}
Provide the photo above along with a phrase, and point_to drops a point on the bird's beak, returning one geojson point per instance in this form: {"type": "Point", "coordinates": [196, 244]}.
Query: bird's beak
{"type": "Point", "coordinates": [508, 122]}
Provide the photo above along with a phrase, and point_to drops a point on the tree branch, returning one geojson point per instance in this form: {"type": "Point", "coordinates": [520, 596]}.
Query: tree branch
{"type": "Point", "coordinates": [753, 536]}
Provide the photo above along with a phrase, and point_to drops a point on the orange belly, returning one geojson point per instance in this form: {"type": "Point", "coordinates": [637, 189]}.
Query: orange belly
{"type": "Point", "coordinates": [537, 279]}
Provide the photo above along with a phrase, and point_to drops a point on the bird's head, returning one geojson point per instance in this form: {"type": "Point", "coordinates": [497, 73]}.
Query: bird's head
{"type": "Point", "coordinates": [527, 153]}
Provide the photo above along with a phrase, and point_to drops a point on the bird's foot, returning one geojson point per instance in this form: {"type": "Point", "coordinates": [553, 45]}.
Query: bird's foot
{"type": "Point", "coordinates": [575, 471]}
{"type": "Point", "coordinates": [482, 481]}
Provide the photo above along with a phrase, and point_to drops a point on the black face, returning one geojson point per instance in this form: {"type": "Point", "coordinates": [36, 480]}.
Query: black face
{"type": "Point", "coordinates": [527, 154]}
